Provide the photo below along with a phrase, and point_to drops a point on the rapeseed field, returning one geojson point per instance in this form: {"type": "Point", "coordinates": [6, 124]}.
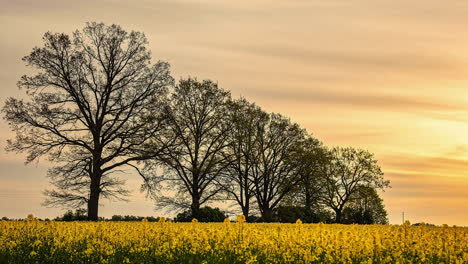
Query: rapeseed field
{"type": "Point", "coordinates": [33, 241]}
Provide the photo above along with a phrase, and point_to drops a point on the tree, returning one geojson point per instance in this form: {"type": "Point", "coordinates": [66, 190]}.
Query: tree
{"type": "Point", "coordinates": [308, 159]}
{"type": "Point", "coordinates": [94, 103]}
{"type": "Point", "coordinates": [344, 174]}
{"type": "Point", "coordinates": [245, 119]}
{"type": "Point", "coordinates": [365, 207]}
{"type": "Point", "coordinates": [193, 165]}
{"type": "Point", "coordinates": [274, 173]}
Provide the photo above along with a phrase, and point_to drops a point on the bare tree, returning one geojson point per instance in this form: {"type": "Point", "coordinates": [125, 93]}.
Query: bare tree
{"type": "Point", "coordinates": [245, 120]}
{"type": "Point", "coordinates": [95, 100]}
{"type": "Point", "coordinates": [275, 174]}
{"type": "Point", "coordinates": [192, 167]}
{"type": "Point", "coordinates": [345, 173]}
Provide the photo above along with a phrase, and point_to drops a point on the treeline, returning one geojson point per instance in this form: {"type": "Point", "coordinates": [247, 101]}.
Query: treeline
{"type": "Point", "coordinates": [99, 107]}
{"type": "Point", "coordinates": [80, 215]}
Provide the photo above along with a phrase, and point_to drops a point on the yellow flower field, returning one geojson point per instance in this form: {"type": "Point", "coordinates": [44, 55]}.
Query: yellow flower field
{"type": "Point", "coordinates": [164, 242]}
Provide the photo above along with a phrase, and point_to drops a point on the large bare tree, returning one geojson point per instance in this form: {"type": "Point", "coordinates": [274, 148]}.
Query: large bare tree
{"type": "Point", "coordinates": [94, 102]}
{"type": "Point", "coordinates": [193, 165]}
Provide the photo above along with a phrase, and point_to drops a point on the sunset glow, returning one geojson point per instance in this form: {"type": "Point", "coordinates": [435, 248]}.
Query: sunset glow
{"type": "Point", "coordinates": [387, 76]}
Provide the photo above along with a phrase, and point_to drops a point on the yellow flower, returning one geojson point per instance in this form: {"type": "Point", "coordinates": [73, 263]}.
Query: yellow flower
{"type": "Point", "coordinates": [240, 219]}
{"type": "Point", "coordinates": [30, 218]}
{"type": "Point", "coordinates": [133, 242]}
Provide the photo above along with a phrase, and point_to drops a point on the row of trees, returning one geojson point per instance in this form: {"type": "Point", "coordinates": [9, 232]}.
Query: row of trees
{"type": "Point", "coordinates": [98, 107]}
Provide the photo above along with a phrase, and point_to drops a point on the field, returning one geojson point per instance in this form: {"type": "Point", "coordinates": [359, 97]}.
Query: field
{"type": "Point", "coordinates": [35, 241]}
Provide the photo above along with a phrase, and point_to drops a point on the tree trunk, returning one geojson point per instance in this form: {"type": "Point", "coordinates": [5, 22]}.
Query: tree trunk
{"type": "Point", "coordinates": [338, 216]}
{"type": "Point", "coordinates": [195, 206]}
{"type": "Point", "coordinates": [267, 214]}
{"type": "Point", "coordinates": [245, 211]}
{"type": "Point", "coordinates": [308, 206]}
{"type": "Point", "coordinates": [95, 188]}
{"type": "Point", "coordinates": [93, 202]}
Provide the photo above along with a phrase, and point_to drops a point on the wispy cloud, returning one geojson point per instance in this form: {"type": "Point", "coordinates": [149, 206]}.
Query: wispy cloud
{"type": "Point", "coordinates": [389, 76]}
{"type": "Point", "coordinates": [443, 166]}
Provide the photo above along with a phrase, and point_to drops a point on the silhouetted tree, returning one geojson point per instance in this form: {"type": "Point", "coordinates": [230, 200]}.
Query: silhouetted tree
{"type": "Point", "coordinates": [193, 165]}
{"type": "Point", "coordinates": [365, 207]}
{"type": "Point", "coordinates": [308, 160]}
{"type": "Point", "coordinates": [274, 173]}
{"type": "Point", "coordinates": [94, 102]}
{"type": "Point", "coordinates": [245, 121]}
{"type": "Point", "coordinates": [345, 173]}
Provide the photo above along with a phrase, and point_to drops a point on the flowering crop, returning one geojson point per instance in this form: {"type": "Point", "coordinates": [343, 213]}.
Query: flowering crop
{"type": "Point", "coordinates": [34, 241]}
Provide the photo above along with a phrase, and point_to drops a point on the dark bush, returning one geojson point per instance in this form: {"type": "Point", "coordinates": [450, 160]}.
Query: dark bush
{"type": "Point", "coordinates": [290, 214]}
{"type": "Point", "coordinates": [78, 215]}
{"type": "Point", "coordinates": [133, 218]}
{"type": "Point", "coordinates": [205, 214]}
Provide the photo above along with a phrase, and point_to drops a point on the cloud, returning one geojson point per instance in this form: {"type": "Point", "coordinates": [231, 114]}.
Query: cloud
{"type": "Point", "coordinates": [430, 165]}
{"type": "Point", "coordinates": [427, 186]}
{"type": "Point", "coordinates": [384, 102]}
{"type": "Point", "coordinates": [372, 60]}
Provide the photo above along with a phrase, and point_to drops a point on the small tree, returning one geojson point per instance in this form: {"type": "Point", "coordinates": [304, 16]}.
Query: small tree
{"type": "Point", "coordinates": [308, 159]}
{"type": "Point", "coordinates": [365, 207]}
{"type": "Point", "coordinates": [95, 101]}
{"type": "Point", "coordinates": [345, 173]}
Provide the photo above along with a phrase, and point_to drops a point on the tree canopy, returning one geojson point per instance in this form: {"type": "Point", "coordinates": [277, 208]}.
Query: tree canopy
{"type": "Point", "coordinates": [95, 100]}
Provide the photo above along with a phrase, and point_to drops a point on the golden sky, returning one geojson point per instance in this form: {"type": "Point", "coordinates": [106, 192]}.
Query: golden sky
{"type": "Point", "coordinates": [390, 76]}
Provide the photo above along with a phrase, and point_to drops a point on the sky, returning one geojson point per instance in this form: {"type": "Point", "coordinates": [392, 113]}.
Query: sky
{"type": "Point", "coordinates": [389, 76]}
